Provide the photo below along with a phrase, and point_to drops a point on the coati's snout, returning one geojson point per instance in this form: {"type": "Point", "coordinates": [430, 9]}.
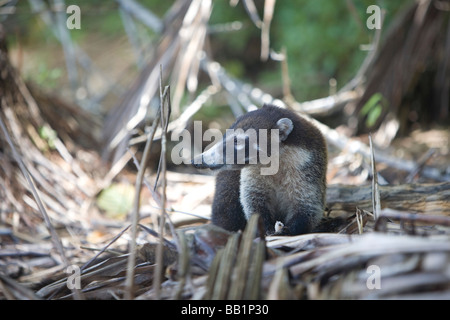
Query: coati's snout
{"type": "Point", "coordinates": [232, 152]}
{"type": "Point", "coordinates": [242, 145]}
{"type": "Point", "coordinates": [206, 161]}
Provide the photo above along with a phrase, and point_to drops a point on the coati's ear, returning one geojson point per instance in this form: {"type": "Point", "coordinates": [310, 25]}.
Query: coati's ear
{"type": "Point", "coordinates": [285, 126]}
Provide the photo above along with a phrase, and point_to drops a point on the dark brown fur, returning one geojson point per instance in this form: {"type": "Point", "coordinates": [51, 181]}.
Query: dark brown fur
{"type": "Point", "coordinates": [228, 207]}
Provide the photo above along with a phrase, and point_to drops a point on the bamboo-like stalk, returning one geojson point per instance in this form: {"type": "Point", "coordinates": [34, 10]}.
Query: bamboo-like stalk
{"type": "Point", "coordinates": [135, 214]}
{"type": "Point", "coordinates": [225, 268]}
{"type": "Point", "coordinates": [245, 256]}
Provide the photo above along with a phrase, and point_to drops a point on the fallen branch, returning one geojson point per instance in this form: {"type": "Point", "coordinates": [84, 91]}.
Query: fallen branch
{"type": "Point", "coordinates": [428, 199]}
{"type": "Point", "coordinates": [415, 217]}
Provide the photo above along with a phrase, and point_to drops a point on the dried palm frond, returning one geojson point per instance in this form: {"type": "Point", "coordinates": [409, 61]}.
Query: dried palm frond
{"type": "Point", "coordinates": [177, 52]}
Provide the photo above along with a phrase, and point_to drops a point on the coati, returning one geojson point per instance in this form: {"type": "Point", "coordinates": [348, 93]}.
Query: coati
{"type": "Point", "coordinates": [291, 198]}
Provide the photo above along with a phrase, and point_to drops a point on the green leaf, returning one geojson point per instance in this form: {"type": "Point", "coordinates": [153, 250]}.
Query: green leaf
{"type": "Point", "coordinates": [373, 115]}
{"type": "Point", "coordinates": [372, 109]}
{"type": "Point", "coordinates": [48, 135]}
{"type": "Point", "coordinates": [371, 103]}
{"type": "Point", "coordinates": [116, 200]}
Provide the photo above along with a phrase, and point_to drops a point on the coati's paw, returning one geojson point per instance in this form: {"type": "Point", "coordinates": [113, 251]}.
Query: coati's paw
{"type": "Point", "coordinates": [279, 226]}
{"type": "Point", "coordinates": [280, 229]}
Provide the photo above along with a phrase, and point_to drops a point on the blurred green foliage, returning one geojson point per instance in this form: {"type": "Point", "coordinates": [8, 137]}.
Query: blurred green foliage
{"type": "Point", "coordinates": [322, 38]}
{"type": "Point", "coordinates": [46, 76]}
{"type": "Point", "coordinates": [373, 108]}
{"type": "Point", "coordinates": [49, 135]}
{"type": "Point", "coordinates": [116, 200]}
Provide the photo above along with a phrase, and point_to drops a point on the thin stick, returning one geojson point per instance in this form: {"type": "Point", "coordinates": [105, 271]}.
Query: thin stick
{"type": "Point", "coordinates": [419, 165]}
{"type": "Point", "coordinates": [129, 282]}
{"type": "Point", "coordinates": [159, 251]}
{"type": "Point", "coordinates": [104, 248]}
{"type": "Point", "coordinates": [287, 93]}
{"type": "Point", "coordinates": [375, 190]}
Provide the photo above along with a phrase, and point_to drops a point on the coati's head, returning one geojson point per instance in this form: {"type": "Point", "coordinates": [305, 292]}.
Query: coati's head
{"type": "Point", "coordinates": [254, 139]}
